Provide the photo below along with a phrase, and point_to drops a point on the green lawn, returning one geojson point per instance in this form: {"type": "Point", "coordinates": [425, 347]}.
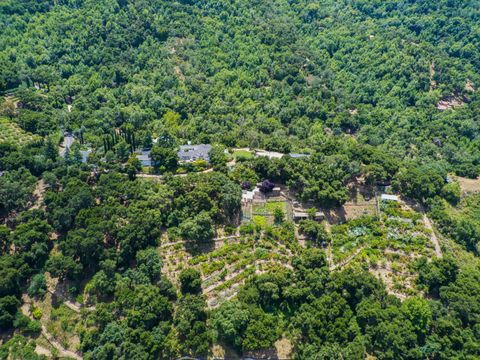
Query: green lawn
{"type": "Point", "coordinates": [269, 207]}
{"type": "Point", "coordinates": [260, 220]}
{"type": "Point", "coordinates": [242, 155]}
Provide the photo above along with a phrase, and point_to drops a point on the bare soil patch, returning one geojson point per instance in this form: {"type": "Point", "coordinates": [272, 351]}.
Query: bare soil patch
{"type": "Point", "coordinates": [468, 186]}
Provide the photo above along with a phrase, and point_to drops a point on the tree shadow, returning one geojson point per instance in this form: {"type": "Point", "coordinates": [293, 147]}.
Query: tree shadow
{"type": "Point", "coordinates": [335, 215]}
{"type": "Point", "coordinates": [194, 248]}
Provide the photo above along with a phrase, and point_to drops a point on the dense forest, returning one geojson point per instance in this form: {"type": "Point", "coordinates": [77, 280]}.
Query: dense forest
{"type": "Point", "coordinates": [104, 257]}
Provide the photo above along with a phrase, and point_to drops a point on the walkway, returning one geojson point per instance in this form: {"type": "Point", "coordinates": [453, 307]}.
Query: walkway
{"type": "Point", "coordinates": [62, 352]}
{"type": "Point", "coordinates": [38, 193]}
{"type": "Point", "coordinates": [433, 236]}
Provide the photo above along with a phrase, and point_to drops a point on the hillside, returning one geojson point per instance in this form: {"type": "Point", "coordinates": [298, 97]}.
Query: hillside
{"type": "Point", "coordinates": [263, 179]}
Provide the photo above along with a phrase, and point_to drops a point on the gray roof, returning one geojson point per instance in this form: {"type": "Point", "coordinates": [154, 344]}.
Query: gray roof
{"type": "Point", "coordinates": [194, 152]}
{"type": "Point", "coordinates": [144, 158]}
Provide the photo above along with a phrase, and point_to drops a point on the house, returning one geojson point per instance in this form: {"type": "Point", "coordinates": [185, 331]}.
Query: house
{"type": "Point", "coordinates": [249, 196]}
{"type": "Point", "coordinates": [144, 158]}
{"type": "Point", "coordinates": [388, 197]}
{"type": "Point", "coordinates": [190, 153]}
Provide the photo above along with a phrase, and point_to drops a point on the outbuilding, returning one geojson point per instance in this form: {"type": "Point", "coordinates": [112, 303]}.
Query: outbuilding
{"type": "Point", "coordinates": [388, 197]}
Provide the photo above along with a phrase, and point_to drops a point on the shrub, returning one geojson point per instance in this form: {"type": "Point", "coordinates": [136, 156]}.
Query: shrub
{"type": "Point", "coordinates": [37, 313]}
{"type": "Point", "coordinates": [38, 286]}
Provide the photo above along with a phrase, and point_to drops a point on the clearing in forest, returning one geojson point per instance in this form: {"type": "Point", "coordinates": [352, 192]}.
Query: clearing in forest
{"type": "Point", "coordinates": [362, 202]}
{"type": "Point", "coordinates": [468, 186]}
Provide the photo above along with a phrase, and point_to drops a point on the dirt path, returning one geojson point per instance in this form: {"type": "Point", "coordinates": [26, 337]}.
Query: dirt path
{"type": "Point", "coordinates": [160, 177]}
{"type": "Point", "coordinates": [62, 352]}
{"type": "Point", "coordinates": [76, 307]}
{"type": "Point", "coordinates": [40, 350]}
{"type": "Point", "coordinates": [38, 193]}
{"type": "Point", "coordinates": [219, 239]}
{"type": "Point", "coordinates": [433, 83]}
{"type": "Point", "coordinates": [433, 236]}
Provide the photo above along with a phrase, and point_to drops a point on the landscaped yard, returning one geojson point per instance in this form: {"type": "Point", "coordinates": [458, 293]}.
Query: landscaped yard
{"type": "Point", "coordinates": [269, 207]}
{"type": "Point", "coordinates": [242, 155]}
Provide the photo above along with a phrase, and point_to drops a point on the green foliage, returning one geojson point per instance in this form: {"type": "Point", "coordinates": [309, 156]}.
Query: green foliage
{"type": "Point", "coordinates": [8, 309]}
{"type": "Point", "coordinates": [149, 263]}
{"type": "Point", "coordinates": [278, 215]}
{"type": "Point", "coordinates": [199, 229]}
{"type": "Point", "coordinates": [451, 192]}
{"type": "Point", "coordinates": [218, 157]}
{"type": "Point", "coordinates": [314, 231]}
{"type": "Point", "coordinates": [20, 348]}
{"type": "Point", "coordinates": [420, 182]}
{"type": "Point", "coordinates": [190, 322]}
{"type": "Point", "coordinates": [38, 286]}
{"type": "Point", "coordinates": [351, 83]}
{"type": "Point", "coordinates": [436, 274]}
{"type": "Point", "coordinates": [190, 281]}
{"type": "Point", "coordinates": [16, 188]}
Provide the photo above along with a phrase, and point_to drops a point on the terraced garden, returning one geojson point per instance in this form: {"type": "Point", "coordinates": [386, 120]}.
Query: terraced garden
{"type": "Point", "coordinates": [233, 260]}
{"type": "Point", "coordinates": [14, 134]}
{"type": "Point", "coordinates": [388, 245]}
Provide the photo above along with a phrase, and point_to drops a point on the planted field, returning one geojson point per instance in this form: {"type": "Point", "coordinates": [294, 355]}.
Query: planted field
{"type": "Point", "coordinates": [468, 208]}
{"type": "Point", "coordinates": [12, 133]}
{"type": "Point", "coordinates": [389, 245]}
{"type": "Point", "coordinates": [263, 213]}
{"type": "Point", "coordinates": [269, 207]}
{"type": "Point", "coordinates": [231, 262]}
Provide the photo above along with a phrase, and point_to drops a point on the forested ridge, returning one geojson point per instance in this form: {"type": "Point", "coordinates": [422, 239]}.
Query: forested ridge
{"type": "Point", "coordinates": [270, 74]}
{"type": "Point", "coordinates": [326, 104]}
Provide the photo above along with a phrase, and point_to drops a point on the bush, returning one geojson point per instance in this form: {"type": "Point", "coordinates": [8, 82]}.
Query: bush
{"type": "Point", "coordinates": [23, 323]}
{"type": "Point", "coordinates": [38, 286]}
{"type": "Point", "coordinates": [451, 192]}
{"type": "Point", "coordinates": [37, 313]}
{"type": "Point", "coordinates": [33, 327]}
{"type": "Point", "coordinates": [190, 281]}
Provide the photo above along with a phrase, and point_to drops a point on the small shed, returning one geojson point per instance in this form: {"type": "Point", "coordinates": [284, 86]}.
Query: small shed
{"type": "Point", "coordinates": [388, 197]}
{"type": "Point", "coordinates": [302, 215]}
{"type": "Point", "coordinates": [276, 191]}
{"type": "Point", "coordinates": [299, 215]}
